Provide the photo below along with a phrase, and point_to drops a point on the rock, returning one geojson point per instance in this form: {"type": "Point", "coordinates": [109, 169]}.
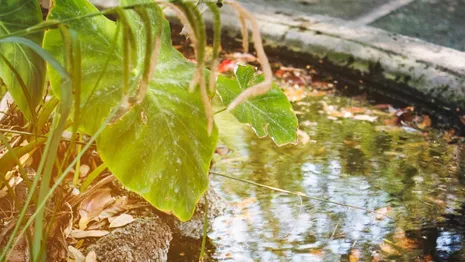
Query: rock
{"type": "Point", "coordinates": [194, 227]}
{"type": "Point", "coordinates": [144, 240]}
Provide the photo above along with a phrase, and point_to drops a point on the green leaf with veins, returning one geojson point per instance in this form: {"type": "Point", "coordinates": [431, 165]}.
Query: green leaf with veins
{"type": "Point", "coordinates": [14, 16]}
{"type": "Point", "coordinates": [270, 114]}
{"type": "Point", "coordinates": [160, 149]}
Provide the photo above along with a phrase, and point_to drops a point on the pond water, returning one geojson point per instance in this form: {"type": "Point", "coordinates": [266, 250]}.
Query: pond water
{"type": "Point", "coordinates": [411, 179]}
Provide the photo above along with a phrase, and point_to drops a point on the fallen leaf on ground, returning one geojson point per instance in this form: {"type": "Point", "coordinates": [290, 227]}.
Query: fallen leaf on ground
{"type": "Point", "coordinates": [121, 220]}
{"type": "Point", "coordinates": [93, 205]}
{"type": "Point", "coordinates": [75, 254]}
{"type": "Point", "coordinates": [89, 233]}
{"type": "Point", "coordinates": [91, 257]}
{"type": "Point", "coordinates": [97, 226]}
{"type": "Point", "coordinates": [120, 205]}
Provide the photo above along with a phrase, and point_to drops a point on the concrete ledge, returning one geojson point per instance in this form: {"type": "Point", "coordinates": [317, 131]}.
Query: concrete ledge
{"type": "Point", "coordinates": [434, 71]}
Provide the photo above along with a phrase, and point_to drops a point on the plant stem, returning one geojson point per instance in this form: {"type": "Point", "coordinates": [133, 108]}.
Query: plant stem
{"type": "Point", "coordinates": [300, 194]}
{"type": "Point", "coordinates": [205, 231]}
{"type": "Point", "coordinates": [31, 134]}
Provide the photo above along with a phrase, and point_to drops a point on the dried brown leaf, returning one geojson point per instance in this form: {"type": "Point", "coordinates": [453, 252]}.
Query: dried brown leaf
{"type": "Point", "coordinates": [91, 257]}
{"type": "Point", "coordinates": [75, 254]}
{"type": "Point", "coordinates": [93, 205]}
{"type": "Point", "coordinates": [88, 233]}
{"type": "Point", "coordinates": [120, 205]}
{"type": "Point", "coordinates": [97, 226]}
{"type": "Point", "coordinates": [121, 220]}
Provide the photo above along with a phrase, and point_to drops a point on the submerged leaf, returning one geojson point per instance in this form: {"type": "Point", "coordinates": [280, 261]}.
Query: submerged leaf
{"type": "Point", "coordinates": [16, 16]}
{"type": "Point", "coordinates": [270, 114]}
{"type": "Point", "coordinates": [159, 149]}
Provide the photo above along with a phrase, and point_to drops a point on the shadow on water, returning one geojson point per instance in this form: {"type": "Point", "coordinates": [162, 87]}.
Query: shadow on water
{"type": "Point", "coordinates": [413, 178]}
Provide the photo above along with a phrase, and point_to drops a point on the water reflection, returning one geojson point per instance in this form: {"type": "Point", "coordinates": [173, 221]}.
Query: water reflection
{"type": "Point", "coordinates": [403, 173]}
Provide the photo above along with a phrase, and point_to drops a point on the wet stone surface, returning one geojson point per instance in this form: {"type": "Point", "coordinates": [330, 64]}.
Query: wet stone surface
{"type": "Point", "coordinates": [439, 22]}
{"type": "Point", "coordinates": [345, 9]}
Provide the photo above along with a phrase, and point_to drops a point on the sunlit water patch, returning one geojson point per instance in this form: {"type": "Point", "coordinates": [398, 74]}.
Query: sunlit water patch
{"type": "Point", "coordinates": [411, 179]}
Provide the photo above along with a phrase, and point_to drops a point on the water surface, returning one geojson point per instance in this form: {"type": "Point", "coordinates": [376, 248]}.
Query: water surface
{"type": "Point", "coordinates": [411, 176]}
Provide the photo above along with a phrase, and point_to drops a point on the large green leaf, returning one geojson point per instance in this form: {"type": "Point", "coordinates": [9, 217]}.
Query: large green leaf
{"type": "Point", "coordinates": [160, 149]}
{"type": "Point", "coordinates": [17, 15]}
{"type": "Point", "coordinates": [270, 114]}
